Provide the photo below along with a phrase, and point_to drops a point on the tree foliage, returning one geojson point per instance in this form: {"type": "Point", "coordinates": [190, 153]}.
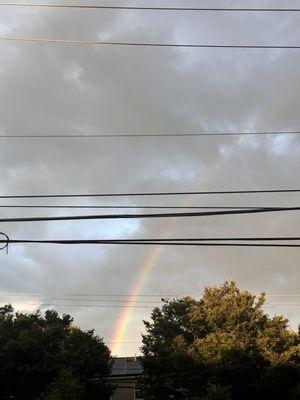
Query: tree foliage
{"type": "Point", "coordinates": [222, 346]}
{"type": "Point", "coordinates": [38, 353]}
{"type": "Point", "coordinates": [64, 387]}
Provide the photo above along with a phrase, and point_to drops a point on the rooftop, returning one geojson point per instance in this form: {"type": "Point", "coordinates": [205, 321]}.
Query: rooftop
{"type": "Point", "coordinates": [126, 366]}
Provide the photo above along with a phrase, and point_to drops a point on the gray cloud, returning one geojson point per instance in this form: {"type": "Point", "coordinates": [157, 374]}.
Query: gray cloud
{"type": "Point", "coordinates": [72, 89]}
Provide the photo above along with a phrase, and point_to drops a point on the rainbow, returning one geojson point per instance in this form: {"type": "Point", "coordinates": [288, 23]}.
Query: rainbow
{"type": "Point", "coordinates": [147, 265]}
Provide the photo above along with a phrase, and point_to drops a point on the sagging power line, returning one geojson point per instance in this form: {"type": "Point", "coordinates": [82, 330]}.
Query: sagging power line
{"type": "Point", "coordinates": [203, 242]}
{"type": "Point", "coordinates": [66, 301]}
{"type": "Point", "coordinates": [122, 295]}
{"type": "Point", "coordinates": [148, 135]}
{"type": "Point", "coordinates": [146, 8]}
{"type": "Point", "coordinates": [84, 305]}
{"type": "Point", "coordinates": [146, 44]}
{"type": "Point", "coordinates": [42, 305]}
{"type": "Point", "coordinates": [130, 207]}
{"type": "Point", "coordinates": [146, 194]}
{"type": "Point", "coordinates": [150, 215]}
{"type": "Point", "coordinates": [207, 239]}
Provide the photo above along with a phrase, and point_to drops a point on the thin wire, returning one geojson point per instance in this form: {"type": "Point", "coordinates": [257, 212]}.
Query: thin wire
{"type": "Point", "coordinates": [161, 295]}
{"type": "Point", "coordinates": [28, 294]}
{"type": "Point", "coordinates": [84, 305]}
{"type": "Point", "coordinates": [147, 8]}
{"type": "Point", "coordinates": [42, 305]}
{"type": "Point", "coordinates": [122, 302]}
{"type": "Point", "coordinates": [149, 216]}
{"type": "Point", "coordinates": [78, 298]}
{"type": "Point", "coordinates": [145, 135]}
{"type": "Point", "coordinates": [49, 298]}
{"type": "Point", "coordinates": [214, 192]}
{"type": "Point", "coordinates": [145, 44]}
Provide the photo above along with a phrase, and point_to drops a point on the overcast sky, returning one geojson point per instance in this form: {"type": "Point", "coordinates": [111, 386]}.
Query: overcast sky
{"type": "Point", "coordinates": [64, 89]}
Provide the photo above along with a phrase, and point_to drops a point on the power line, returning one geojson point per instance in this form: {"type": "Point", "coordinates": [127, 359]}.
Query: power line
{"type": "Point", "coordinates": [147, 8]}
{"type": "Point", "coordinates": [42, 305]}
{"type": "Point", "coordinates": [160, 295]}
{"type": "Point", "coordinates": [145, 135]}
{"type": "Point", "coordinates": [202, 243]}
{"type": "Point", "coordinates": [124, 302]}
{"type": "Point", "coordinates": [128, 302]}
{"type": "Point", "coordinates": [150, 215]}
{"type": "Point", "coordinates": [129, 207]}
{"type": "Point", "coordinates": [134, 194]}
{"type": "Point", "coordinates": [207, 239]}
{"type": "Point", "coordinates": [146, 44]}
{"type": "Point", "coordinates": [30, 294]}
{"type": "Point", "coordinates": [84, 305]}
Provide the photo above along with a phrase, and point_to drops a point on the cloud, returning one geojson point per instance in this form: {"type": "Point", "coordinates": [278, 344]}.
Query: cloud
{"type": "Point", "coordinates": [59, 89]}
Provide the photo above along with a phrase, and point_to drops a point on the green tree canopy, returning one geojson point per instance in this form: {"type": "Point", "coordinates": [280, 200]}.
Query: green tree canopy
{"type": "Point", "coordinates": [221, 346]}
{"type": "Point", "coordinates": [64, 387]}
{"type": "Point", "coordinates": [38, 352]}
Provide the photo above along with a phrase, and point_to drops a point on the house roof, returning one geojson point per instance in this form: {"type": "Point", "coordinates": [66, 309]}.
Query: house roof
{"type": "Point", "coordinates": [126, 366]}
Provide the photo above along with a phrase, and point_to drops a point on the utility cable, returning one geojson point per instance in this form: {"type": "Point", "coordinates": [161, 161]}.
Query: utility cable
{"type": "Point", "coordinates": [150, 215]}
{"type": "Point", "coordinates": [145, 135]}
{"type": "Point", "coordinates": [122, 295]}
{"type": "Point", "coordinates": [145, 44]}
{"type": "Point", "coordinates": [130, 207]}
{"type": "Point", "coordinates": [42, 305]}
{"type": "Point", "coordinates": [149, 243]}
{"type": "Point", "coordinates": [209, 239]}
{"type": "Point", "coordinates": [146, 8]}
{"type": "Point", "coordinates": [64, 299]}
{"type": "Point", "coordinates": [134, 194]}
{"type": "Point", "coordinates": [48, 299]}
{"type": "Point", "coordinates": [85, 305]}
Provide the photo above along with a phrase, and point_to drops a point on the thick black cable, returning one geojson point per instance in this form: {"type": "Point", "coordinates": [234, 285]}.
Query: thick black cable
{"type": "Point", "coordinates": [151, 243]}
{"type": "Point", "coordinates": [207, 239]}
{"type": "Point", "coordinates": [134, 194]}
{"type": "Point", "coordinates": [129, 207]}
{"type": "Point", "coordinates": [149, 216]}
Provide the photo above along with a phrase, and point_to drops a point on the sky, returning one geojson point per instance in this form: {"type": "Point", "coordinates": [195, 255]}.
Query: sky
{"type": "Point", "coordinates": [72, 89]}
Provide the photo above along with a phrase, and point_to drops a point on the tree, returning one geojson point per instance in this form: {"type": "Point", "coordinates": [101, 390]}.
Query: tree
{"type": "Point", "coordinates": [222, 342]}
{"type": "Point", "coordinates": [65, 387]}
{"type": "Point", "coordinates": [217, 392]}
{"type": "Point", "coordinates": [37, 352]}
